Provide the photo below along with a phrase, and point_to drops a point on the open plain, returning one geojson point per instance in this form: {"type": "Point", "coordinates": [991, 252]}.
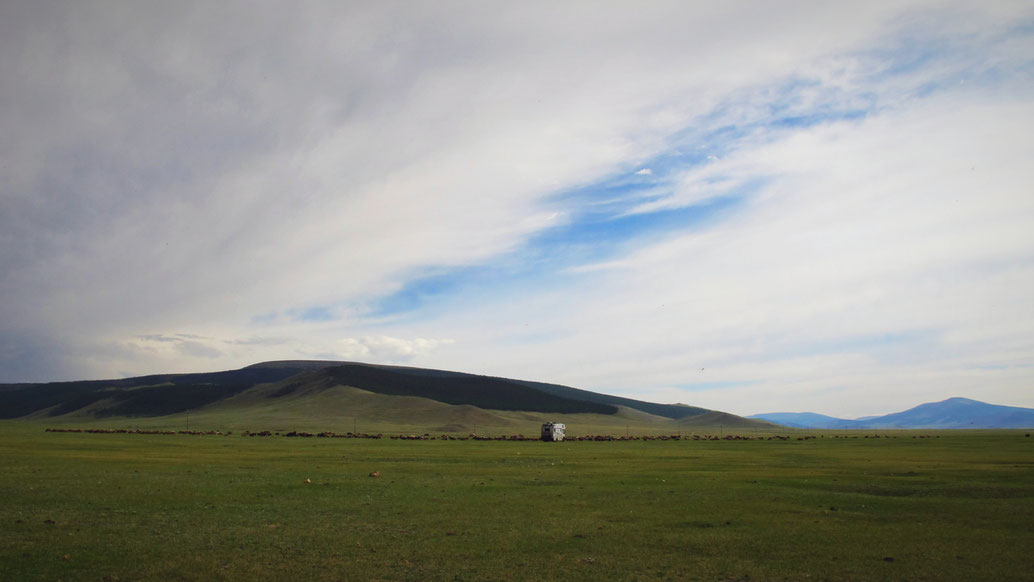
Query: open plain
{"type": "Point", "coordinates": [840, 506]}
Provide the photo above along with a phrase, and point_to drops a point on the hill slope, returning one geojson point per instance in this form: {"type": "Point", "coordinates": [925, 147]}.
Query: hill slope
{"type": "Point", "coordinates": [154, 395]}
{"type": "Point", "coordinates": [328, 391]}
{"type": "Point", "coordinates": [407, 376]}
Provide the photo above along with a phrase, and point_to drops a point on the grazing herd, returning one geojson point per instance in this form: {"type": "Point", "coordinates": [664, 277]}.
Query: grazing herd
{"type": "Point", "coordinates": [140, 431]}
{"type": "Point", "coordinates": [472, 437]}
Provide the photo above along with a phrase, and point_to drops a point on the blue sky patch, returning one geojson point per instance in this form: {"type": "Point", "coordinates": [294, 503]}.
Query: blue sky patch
{"type": "Point", "coordinates": [313, 314]}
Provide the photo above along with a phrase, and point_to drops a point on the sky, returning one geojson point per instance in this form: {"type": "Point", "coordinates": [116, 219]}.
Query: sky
{"type": "Point", "coordinates": [749, 207]}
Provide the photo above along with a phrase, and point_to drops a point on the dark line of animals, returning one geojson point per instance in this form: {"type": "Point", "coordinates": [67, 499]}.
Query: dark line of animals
{"type": "Point", "coordinates": [472, 437]}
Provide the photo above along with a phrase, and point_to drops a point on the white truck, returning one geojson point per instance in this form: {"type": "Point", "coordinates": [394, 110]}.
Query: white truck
{"type": "Point", "coordinates": [553, 431]}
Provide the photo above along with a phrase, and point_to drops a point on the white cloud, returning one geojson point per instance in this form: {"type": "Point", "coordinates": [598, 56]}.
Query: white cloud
{"type": "Point", "coordinates": [384, 349]}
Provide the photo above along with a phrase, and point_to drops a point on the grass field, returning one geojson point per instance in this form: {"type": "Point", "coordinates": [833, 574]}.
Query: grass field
{"type": "Point", "coordinates": [955, 506]}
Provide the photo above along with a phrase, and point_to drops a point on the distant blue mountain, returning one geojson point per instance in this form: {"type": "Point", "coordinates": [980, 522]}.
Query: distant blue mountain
{"type": "Point", "coordinates": [947, 414]}
{"type": "Point", "coordinates": [801, 419]}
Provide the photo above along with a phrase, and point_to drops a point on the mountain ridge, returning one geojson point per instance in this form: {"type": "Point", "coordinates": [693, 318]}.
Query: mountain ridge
{"type": "Point", "coordinates": [953, 413]}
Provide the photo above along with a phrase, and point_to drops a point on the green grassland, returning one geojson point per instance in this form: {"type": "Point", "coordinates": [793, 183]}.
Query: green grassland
{"type": "Point", "coordinates": [77, 506]}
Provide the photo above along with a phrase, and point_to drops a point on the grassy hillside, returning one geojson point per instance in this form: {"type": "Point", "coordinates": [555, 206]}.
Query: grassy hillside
{"type": "Point", "coordinates": [347, 396]}
{"type": "Point", "coordinates": [714, 418]}
{"type": "Point", "coordinates": [674, 411]}
{"type": "Point", "coordinates": [155, 395]}
{"type": "Point", "coordinates": [480, 391]}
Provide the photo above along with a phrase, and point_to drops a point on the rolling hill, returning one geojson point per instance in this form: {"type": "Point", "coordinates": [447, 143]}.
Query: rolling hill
{"type": "Point", "coordinates": [953, 413]}
{"type": "Point", "coordinates": [321, 393]}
